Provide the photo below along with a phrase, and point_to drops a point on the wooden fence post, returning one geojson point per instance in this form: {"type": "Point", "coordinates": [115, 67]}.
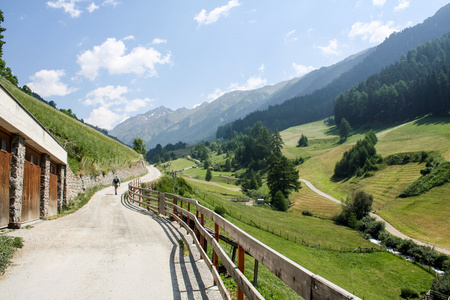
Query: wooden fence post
{"type": "Point", "coordinates": [241, 266]}
{"type": "Point", "coordinates": [161, 203]}
{"type": "Point", "coordinates": [255, 273]}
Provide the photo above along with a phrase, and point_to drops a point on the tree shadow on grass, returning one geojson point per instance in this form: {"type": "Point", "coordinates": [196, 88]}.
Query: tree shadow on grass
{"type": "Point", "coordinates": [430, 120]}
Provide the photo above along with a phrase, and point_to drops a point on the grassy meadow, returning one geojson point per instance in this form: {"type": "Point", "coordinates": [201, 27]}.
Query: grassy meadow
{"type": "Point", "coordinates": [288, 234]}
{"type": "Point", "coordinates": [89, 151]}
{"type": "Point", "coordinates": [423, 217]}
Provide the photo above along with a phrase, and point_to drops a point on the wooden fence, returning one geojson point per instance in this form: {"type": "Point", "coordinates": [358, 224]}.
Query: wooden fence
{"type": "Point", "coordinates": [191, 215]}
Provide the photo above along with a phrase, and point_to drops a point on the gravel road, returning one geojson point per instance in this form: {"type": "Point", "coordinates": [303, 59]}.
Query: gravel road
{"type": "Point", "coordinates": [389, 228]}
{"type": "Point", "coordinates": [106, 250]}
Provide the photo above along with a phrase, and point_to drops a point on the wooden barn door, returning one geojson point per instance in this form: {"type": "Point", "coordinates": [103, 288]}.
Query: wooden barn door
{"type": "Point", "coordinates": [53, 195]}
{"type": "Point", "coordinates": [5, 167]}
{"type": "Point", "coordinates": [31, 187]}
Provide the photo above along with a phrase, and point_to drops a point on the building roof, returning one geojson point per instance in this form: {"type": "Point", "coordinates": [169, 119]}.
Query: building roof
{"type": "Point", "coordinates": [16, 119]}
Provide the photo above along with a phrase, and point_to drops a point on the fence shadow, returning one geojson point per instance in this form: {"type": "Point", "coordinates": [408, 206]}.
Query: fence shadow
{"type": "Point", "coordinates": [189, 275]}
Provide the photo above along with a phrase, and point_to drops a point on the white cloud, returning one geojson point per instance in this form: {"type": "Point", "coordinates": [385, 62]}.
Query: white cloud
{"type": "Point", "coordinates": [375, 31]}
{"type": "Point", "coordinates": [111, 105]}
{"type": "Point", "coordinates": [402, 4]}
{"type": "Point", "coordinates": [67, 5]}
{"type": "Point", "coordinates": [92, 7]}
{"type": "Point", "coordinates": [301, 69]}
{"type": "Point", "coordinates": [105, 118]}
{"type": "Point", "coordinates": [213, 16]}
{"type": "Point", "coordinates": [48, 83]}
{"type": "Point", "coordinates": [110, 2]}
{"type": "Point", "coordinates": [289, 37]}
{"type": "Point", "coordinates": [331, 49]}
{"type": "Point", "coordinates": [214, 95]}
{"type": "Point", "coordinates": [378, 2]}
{"type": "Point", "coordinates": [130, 37]}
{"type": "Point", "coordinates": [252, 83]}
{"type": "Point", "coordinates": [157, 41]}
{"type": "Point", "coordinates": [106, 96]}
{"type": "Point", "coordinates": [111, 56]}
{"type": "Point", "coordinates": [262, 68]}
{"type": "Point", "coordinates": [137, 104]}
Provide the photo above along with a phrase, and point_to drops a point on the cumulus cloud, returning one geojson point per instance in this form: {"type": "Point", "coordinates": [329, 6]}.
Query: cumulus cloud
{"type": "Point", "coordinates": [214, 95]}
{"type": "Point", "coordinates": [301, 70]}
{"type": "Point", "coordinates": [111, 56]}
{"type": "Point", "coordinates": [92, 7]}
{"type": "Point", "coordinates": [137, 104]}
{"type": "Point", "coordinates": [332, 48]}
{"type": "Point", "coordinates": [105, 118]}
{"type": "Point", "coordinates": [402, 4]}
{"type": "Point", "coordinates": [111, 105]}
{"type": "Point", "coordinates": [106, 96]}
{"type": "Point", "coordinates": [157, 41]}
{"type": "Point", "coordinates": [378, 2]}
{"type": "Point", "coordinates": [252, 83]}
{"type": "Point", "coordinates": [375, 31]}
{"type": "Point", "coordinates": [67, 5]}
{"type": "Point", "coordinates": [48, 83]}
{"type": "Point", "coordinates": [213, 16]}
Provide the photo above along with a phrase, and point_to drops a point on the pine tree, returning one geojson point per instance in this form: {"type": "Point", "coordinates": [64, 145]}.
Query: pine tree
{"type": "Point", "coordinates": [208, 176]}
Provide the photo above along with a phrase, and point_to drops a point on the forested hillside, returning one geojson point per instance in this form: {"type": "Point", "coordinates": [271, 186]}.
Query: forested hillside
{"type": "Point", "coordinates": [320, 104]}
{"type": "Point", "coordinates": [419, 84]}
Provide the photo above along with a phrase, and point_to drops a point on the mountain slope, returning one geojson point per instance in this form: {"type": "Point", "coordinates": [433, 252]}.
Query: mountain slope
{"type": "Point", "coordinates": [163, 125]}
{"type": "Point", "coordinates": [320, 104]}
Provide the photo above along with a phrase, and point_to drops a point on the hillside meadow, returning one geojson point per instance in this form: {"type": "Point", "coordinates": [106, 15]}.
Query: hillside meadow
{"type": "Point", "coordinates": [329, 252]}
{"type": "Point", "coordinates": [89, 151]}
{"type": "Point", "coordinates": [423, 217]}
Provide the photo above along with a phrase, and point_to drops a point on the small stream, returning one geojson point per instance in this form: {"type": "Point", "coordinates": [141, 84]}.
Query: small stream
{"type": "Point", "coordinates": [408, 258]}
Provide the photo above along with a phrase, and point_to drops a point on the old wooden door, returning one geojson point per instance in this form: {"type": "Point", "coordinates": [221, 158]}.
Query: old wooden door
{"type": "Point", "coordinates": [31, 192]}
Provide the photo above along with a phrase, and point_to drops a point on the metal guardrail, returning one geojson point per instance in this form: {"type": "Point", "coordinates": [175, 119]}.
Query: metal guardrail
{"type": "Point", "coordinates": [305, 283]}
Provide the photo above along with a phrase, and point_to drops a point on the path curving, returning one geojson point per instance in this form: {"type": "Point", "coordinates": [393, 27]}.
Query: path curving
{"type": "Point", "coordinates": [108, 249]}
{"type": "Point", "coordinates": [389, 228]}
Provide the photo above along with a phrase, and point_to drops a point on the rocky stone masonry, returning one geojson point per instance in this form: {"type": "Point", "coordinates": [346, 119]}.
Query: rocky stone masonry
{"type": "Point", "coordinates": [45, 185]}
{"type": "Point", "coordinates": [79, 183]}
{"type": "Point", "coordinates": [16, 180]}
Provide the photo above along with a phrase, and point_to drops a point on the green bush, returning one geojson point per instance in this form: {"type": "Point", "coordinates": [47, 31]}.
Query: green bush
{"type": "Point", "coordinates": [8, 245]}
{"type": "Point", "coordinates": [438, 176]}
{"type": "Point", "coordinates": [371, 226]}
{"type": "Point", "coordinates": [220, 210]}
{"type": "Point", "coordinates": [407, 293]}
{"type": "Point", "coordinates": [441, 284]}
{"type": "Point", "coordinates": [307, 213]}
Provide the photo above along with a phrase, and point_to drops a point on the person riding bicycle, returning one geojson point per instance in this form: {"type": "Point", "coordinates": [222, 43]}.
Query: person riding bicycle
{"type": "Point", "coordinates": [116, 183]}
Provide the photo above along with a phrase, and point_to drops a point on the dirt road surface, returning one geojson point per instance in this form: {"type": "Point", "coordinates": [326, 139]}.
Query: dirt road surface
{"type": "Point", "coordinates": [389, 228]}
{"type": "Point", "coordinates": [106, 250]}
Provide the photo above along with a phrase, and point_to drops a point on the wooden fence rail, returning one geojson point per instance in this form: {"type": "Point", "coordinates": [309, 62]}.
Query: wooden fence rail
{"type": "Point", "coordinates": [305, 283]}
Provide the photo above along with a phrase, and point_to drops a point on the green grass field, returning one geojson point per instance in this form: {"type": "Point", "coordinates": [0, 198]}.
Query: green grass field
{"type": "Point", "coordinates": [90, 151]}
{"type": "Point", "coordinates": [369, 276]}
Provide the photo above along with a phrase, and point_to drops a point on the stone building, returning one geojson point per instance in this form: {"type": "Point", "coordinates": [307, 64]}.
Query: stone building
{"type": "Point", "coordinates": [32, 166]}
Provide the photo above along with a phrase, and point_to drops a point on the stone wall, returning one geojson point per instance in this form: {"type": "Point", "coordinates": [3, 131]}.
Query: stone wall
{"type": "Point", "coordinates": [79, 183]}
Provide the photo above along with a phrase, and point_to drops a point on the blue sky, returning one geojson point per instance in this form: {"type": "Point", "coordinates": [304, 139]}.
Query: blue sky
{"type": "Point", "coordinates": [108, 60]}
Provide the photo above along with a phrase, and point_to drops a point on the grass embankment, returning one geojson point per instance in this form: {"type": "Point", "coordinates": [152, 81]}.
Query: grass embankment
{"type": "Point", "coordinates": [423, 217]}
{"type": "Point", "coordinates": [89, 151]}
{"type": "Point", "coordinates": [369, 275]}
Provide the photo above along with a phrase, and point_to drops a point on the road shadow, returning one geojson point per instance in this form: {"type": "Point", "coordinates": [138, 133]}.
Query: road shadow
{"type": "Point", "coordinates": [189, 275]}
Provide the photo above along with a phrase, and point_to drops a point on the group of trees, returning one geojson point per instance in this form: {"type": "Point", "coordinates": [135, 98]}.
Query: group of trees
{"type": "Point", "coordinates": [258, 151]}
{"type": "Point", "coordinates": [417, 85]}
{"type": "Point", "coordinates": [161, 154]}
{"type": "Point", "coordinates": [360, 159]}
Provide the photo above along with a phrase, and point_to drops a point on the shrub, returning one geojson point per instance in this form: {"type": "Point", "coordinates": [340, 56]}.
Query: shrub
{"type": "Point", "coordinates": [307, 213]}
{"type": "Point", "coordinates": [441, 284]}
{"type": "Point", "coordinates": [371, 226]}
{"type": "Point", "coordinates": [220, 210]}
{"type": "Point", "coordinates": [279, 202]}
{"type": "Point", "coordinates": [407, 293]}
{"type": "Point", "coordinates": [7, 247]}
